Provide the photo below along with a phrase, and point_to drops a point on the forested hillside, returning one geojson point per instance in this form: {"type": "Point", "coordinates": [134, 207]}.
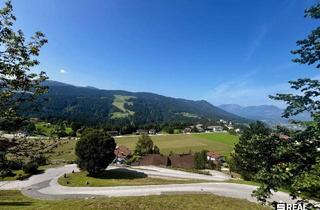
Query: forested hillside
{"type": "Point", "coordinates": [94, 106]}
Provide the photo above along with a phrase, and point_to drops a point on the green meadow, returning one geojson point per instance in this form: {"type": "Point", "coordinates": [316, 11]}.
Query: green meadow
{"type": "Point", "coordinates": [15, 200]}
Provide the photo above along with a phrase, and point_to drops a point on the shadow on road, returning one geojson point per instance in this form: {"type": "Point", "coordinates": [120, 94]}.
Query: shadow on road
{"type": "Point", "coordinates": [17, 203]}
{"type": "Point", "coordinates": [121, 173]}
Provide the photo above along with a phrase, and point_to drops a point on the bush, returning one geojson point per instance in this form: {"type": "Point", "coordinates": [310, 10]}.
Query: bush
{"type": "Point", "coordinates": [30, 168]}
{"type": "Point", "coordinates": [21, 176]}
{"type": "Point", "coordinates": [200, 159]}
{"type": "Point", "coordinates": [5, 172]}
{"type": "Point", "coordinates": [156, 150]}
{"type": "Point", "coordinates": [40, 160]}
{"type": "Point", "coordinates": [133, 159]}
{"type": "Point", "coordinates": [95, 151]}
{"type": "Point", "coordinates": [13, 165]}
{"type": "Point", "coordinates": [214, 165]}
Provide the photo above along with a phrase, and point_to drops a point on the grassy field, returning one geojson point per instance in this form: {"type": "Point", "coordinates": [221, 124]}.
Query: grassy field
{"type": "Point", "coordinates": [63, 152]}
{"type": "Point", "coordinates": [182, 143]}
{"type": "Point", "coordinates": [116, 178]}
{"type": "Point", "coordinates": [16, 174]}
{"type": "Point", "coordinates": [15, 200]}
{"type": "Point", "coordinates": [224, 138]}
{"type": "Point", "coordinates": [47, 128]}
{"type": "Point", "coordinates": [187, 114]}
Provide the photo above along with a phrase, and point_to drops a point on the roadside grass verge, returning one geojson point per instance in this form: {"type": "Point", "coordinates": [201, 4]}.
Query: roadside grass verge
{"type": "Point", "coordinates": [20, 175]}
{"type": "Point", "coordinates": [15, 175]}
{"type": "Point", "coordinates": [15, 200]}
{"type": "Point", "coordinates": [116, 177]}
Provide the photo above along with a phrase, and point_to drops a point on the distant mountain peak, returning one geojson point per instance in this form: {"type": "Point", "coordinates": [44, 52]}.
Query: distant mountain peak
{"type": "Point", "coordinates": [269, 113]}
{"type": "Point", "coordinates": [91, 87]}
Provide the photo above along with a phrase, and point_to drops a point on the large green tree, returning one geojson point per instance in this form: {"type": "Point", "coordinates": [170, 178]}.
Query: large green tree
{"type": "Point", "coordinates": [253, 151]}
{"type": "Point", "coordinates": [95, 151]}
{"type": "Point", "coordinates": [18, 84]}
{"type": "Point", "coordinates": [17, 58]}
{"type": "Point", "coordinates": [296, 163]}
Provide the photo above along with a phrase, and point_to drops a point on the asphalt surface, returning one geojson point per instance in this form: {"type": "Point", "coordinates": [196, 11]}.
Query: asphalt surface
{"type": "Point", "coordinates": [45, 186]}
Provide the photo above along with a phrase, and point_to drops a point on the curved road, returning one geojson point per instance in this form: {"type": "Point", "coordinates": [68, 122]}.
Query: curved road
{"type": "Point", "coordinates": [45, 186]}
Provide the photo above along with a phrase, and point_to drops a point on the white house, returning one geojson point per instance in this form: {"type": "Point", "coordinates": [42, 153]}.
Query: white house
{"type": "Point", "coordinates": [215, 128]}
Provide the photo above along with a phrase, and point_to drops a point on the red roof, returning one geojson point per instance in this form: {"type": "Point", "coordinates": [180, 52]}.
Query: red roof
{"type": "Point", "coordinates": [213, 154]}
{"type": "Point", "coordinates": [122, 151]}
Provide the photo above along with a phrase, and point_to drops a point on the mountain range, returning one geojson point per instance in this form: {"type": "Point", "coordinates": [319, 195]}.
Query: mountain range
{"type": "Point", "coordinates": [91, 105]}
{"type": "Point", "coordinates": [268, 113]}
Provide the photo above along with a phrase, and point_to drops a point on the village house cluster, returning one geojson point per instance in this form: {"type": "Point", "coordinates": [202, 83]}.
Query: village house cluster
{"type": "Point", "coordinates": [223, 126]}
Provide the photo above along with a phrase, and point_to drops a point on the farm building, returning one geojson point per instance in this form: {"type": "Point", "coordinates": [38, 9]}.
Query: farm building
{"type": "Point", "coordinates": [215, 157]}
{"type": "Point", "coordinates": [182, 161]}
{"type": "Point", "coordinates": [141, 131]}
{"type": "Point", "coordinates": [152, 131]}
{"type": "Point", "coordinates": [215, 128]}
{"type": "Point", "coordinates": [122, 153]}
{"type": "Point", "coordinates": [152, 159]}
{"type": "Point", "coordinates": [187, 130]}
{"type": "Point", "coordinates": [179, 161]}
{"type": "Point", "coordinates": [113, 133]}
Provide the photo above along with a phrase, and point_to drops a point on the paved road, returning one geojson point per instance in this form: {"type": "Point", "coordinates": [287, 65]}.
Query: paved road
{"type": "Point", "coordinates": [45, 186]}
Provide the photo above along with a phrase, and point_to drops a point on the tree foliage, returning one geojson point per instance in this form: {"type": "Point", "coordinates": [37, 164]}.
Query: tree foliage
{"type": "Point", "coordinates": [200, 159]}
{"type": "Point", "coordinates": [146, 146]}
{"type": "Point", "coordinates": [17, 58]}
{"type": "Point", "coordinates": [308, 53]}
{"type": "Point", "coordinates": [95, 151]}
{"type": "Point", "coordinates": [293, 163]}
{"type": "Point", "coordinates": [254, 149]}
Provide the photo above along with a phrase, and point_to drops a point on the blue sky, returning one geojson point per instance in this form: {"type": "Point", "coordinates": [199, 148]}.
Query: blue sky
{"type": "Point", "coordinates": [223, 51]}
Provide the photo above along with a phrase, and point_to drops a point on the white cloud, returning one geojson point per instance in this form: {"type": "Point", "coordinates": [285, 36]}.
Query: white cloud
{"type": "Point", "coordinates": [62, 71]}
{"type": "Point", "coordinates": [245, 91]}
{"type": "Point", "coordinates": [256, 43]}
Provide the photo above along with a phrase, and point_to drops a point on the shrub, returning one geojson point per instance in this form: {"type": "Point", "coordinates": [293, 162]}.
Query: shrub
{"type": "Point", "coordinates": [200, 159]}
{"type": "Point", "coordinates": [6, 172]}
{"type": "Point", "coordinates": [133, 159]}
{"type": "Point", "coordinates": [214, 165]}
{"type": "Point", "coordinates": [156, 150]}
{"type": "Point", "coordinates": [40, 160]}
{"type": "Point", "coordinates": [30, 168]}
{"type": "Point", "coordinates": [13, 165]}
